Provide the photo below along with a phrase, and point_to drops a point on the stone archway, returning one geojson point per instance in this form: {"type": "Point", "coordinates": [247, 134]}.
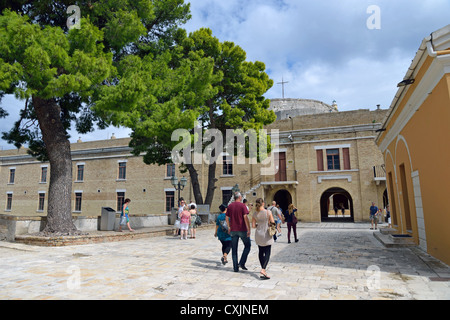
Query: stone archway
{"type": "Point", "coordinates": [283, 198]}
{"type": "Point", "coordinates": [336, 197]}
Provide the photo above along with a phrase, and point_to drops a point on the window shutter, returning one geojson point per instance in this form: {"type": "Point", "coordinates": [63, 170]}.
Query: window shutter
{"type": "Point", "coordinates": [346, 153]}
{"type": "Point", "coordinates": [319, 160]}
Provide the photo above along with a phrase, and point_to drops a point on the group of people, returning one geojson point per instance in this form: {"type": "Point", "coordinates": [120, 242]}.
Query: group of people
{"type": "Point", "coordinates": [233, 224]}
{"type": "Point", "coordinates": [376, 213]}
{"type": "Point", "coordinates": [187, 220]}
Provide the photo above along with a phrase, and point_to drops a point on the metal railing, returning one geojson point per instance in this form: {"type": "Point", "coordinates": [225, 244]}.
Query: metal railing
{"type": "Point", "coordinates": [379, 171]}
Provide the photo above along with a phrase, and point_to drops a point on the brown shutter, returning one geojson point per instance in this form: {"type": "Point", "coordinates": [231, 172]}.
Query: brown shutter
{"type": "Point", "coordinates": [346, 153]}
{"type": "Point", "coordinates": [319, 160]}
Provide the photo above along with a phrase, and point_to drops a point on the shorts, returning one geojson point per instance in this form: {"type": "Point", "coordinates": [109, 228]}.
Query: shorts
{"type": "Point", "coordinates": [373, 217]}
{"type": "Point", "coordinates": [184, 226]}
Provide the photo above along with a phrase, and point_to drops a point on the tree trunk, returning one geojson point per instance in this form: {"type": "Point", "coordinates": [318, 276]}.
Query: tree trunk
{"type": "Point", "coordinates": [211, 183]}
{"type": "Point", "coordinates": [195, 184]}
{"type": "Point", "coordinates": [59, 214]}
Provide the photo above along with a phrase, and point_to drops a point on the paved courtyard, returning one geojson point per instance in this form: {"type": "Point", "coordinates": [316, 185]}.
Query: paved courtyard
{"type": "Point", "coordinates": [331, 261]}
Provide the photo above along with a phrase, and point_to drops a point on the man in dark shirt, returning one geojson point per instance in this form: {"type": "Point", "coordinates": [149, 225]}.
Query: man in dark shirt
{"type": "Point", "coordinates": [373, 215]}
{"type": "Point", "coordinates": [237, 219]}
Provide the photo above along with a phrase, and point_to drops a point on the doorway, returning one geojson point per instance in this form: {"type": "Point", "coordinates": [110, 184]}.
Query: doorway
{"type": "Point", "coordinates": [283, 198]}
{"type": "Point", "coordinates": [336, 205]}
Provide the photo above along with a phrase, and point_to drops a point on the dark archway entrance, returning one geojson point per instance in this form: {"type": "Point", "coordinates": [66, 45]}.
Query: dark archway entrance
{"type": "Point", "coordinates": [336, 198]}
{"type": "Point", "coordinates": [283, 198]}
{"type": "Point", "coordinates": [385, 199]}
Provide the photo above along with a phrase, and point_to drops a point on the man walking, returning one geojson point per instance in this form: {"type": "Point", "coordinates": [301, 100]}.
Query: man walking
{"type": "Point", "coordinates": [276, 213]}
{"type": "Point", "coordinates": [373, 215]}
{"type": "Point", "coordinates": [239, 227]}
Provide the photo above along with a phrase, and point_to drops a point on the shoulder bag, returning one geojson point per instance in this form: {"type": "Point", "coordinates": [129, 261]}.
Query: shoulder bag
{"type": "Point", "coordinates": [272, 226]}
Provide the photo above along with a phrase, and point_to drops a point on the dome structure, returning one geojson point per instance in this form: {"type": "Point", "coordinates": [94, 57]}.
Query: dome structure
{"type": "Point", "coordinates": [285, 108]}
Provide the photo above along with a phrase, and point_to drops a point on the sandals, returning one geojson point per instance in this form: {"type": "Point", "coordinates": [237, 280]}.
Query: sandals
{"type": "Point", "coordinates": [224, 261]}
{"type": "Point", "coordinates": [264, 276]}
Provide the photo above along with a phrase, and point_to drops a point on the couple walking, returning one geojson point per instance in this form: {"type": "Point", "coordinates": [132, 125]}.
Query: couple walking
{"type": "Point", "coordinates": [239, 228]}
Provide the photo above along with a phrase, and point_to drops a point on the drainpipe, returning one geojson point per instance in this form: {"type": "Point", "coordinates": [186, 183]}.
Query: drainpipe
{"type": "Point", "coordinates": [430, 48]}
{"type": "Point", "coordinates": [431, 52]}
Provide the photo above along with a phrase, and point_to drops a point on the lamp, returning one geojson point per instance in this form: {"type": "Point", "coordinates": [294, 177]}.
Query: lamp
{"type": "Point", "coordinates": [178, 185]}
{"type": "Point", "coordinates": [174, 181]}
{"type": "Point", "coordinates": [406, 82]}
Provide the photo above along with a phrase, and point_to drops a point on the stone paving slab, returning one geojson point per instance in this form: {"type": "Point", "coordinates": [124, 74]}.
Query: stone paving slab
{"type": "Point", "coordinates": [330, 262]}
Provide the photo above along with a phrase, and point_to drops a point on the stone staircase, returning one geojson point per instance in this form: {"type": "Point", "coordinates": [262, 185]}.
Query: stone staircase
{"type": "Point", "coordinates": [255, 184]}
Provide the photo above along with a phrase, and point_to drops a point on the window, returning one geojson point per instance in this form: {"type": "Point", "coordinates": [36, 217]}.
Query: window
{"type": "Point", "coordinates": [227, 165]}
{"type": "Point", "coordinates": [170, 170]}
{"type": "Point", "coordinates": [333, 154]}
{"type": "Point", "coordinates": [12, 175]}
{"type": "Point", "coordinates": [80, 172]}
{"type": "Point", "coordinates": [41, 201]}
{"type": "Point", "coordinates": [78, 198]}
{"type": "Point", "coordinates": [44, 174]}
{"type": "Point", "coordinates": [120, 200]}
{"type": "Point", "coordinates": [226, 195]}
{"type": "Point", "coordinates": [333, 159]}
{"type": "Point", "coordinates": [122, 170]}
{"type": "Point", "coordinates": [170, 200]}
{"type": "Point", "coordinates": [9, 197]}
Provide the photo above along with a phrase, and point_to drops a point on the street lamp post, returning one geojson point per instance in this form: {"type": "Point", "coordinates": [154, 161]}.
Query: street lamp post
{"type": "Point", "coordinates": [178, 185]}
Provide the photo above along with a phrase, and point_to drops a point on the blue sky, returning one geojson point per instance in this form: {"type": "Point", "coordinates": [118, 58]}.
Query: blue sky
{"type": "Point", "coordinates": [323, 48]}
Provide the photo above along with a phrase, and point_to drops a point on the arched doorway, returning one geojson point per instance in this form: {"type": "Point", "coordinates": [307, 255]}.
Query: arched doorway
{"type": "Point", "coordinates": [283, 198]}
{"type": "Point", "coordinates": [336, 198]}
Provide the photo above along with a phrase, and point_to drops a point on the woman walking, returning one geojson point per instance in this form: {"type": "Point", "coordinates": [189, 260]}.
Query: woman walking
{"type": "Point", "coordinates": [184, 223]}
{"type": "Point", "coordinates": [125, 215]}
{"type": "Point", "coordinates": [291, 219]}
{"type": "Point", "coordinates": [222, 234]}
{"type": "Point", "coordinates": [263, 239]}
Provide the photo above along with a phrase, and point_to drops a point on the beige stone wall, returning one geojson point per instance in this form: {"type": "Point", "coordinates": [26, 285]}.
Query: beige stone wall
{"type": "Point", "coordinates": [145, 185]}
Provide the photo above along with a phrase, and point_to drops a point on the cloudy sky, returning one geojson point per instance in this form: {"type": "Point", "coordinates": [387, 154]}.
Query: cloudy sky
{"type": "Point", "coordinates": [326, 50]}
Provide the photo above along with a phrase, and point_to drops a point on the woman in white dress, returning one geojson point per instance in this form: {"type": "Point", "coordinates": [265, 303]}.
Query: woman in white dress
{"type": "Point", "coordinates": [263, 239]}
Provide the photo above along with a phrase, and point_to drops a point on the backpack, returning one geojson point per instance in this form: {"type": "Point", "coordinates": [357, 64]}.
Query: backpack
{"type": "Point", "coordinates": [223, 225]}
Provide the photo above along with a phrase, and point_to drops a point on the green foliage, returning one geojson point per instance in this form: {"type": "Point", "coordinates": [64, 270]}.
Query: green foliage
{"type": "Point", "coordinates": [40, 57]}
{"type": "Point", "coordinates": [200, 79]}
{"type": "Point", "coordinates": [50, 64]}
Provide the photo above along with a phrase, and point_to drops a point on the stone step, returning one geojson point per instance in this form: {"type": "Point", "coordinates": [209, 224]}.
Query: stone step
{"type": "Point", "coordinates": [394, 242]}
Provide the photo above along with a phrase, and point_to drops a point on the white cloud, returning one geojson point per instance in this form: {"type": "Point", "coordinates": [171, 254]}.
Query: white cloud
{"type": "Point", "coordinates": [324, 48]}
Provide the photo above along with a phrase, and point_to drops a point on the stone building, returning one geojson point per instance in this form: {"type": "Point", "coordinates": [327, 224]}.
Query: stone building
{"type": "Point", "coordinates": [325, 159]}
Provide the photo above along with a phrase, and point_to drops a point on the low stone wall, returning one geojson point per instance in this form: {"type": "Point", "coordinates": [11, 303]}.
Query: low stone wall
{"type": "Point", "coordinates": [95, 237]}
{"type": "Point", "coordinates": [18, 225]}
{"type": "Point", "coordinates": [99, 236]}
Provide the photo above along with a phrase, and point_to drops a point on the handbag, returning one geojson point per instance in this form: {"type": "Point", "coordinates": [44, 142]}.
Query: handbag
{"type": "Point", "coordinates": [177, 224]}
{"type": "Point", "coordinates": [272, 226]}
{"type": "Point", "coordinates": [294, 218]}
{"type": "Point", "coordinates": [123, 220]}
{"type": "Point", "coordinates": [198, 220]}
